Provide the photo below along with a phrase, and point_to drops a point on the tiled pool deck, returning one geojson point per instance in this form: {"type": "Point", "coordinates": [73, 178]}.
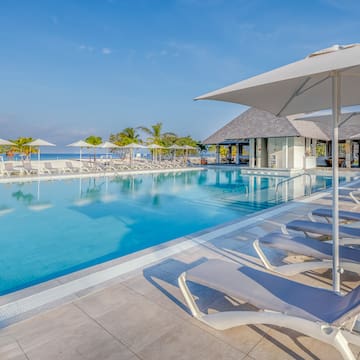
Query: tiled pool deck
{"type": "Point", "coordinates": [140, 313]}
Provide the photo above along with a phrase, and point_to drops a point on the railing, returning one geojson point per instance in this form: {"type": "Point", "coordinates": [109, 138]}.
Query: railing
{"type": "Point", "coordinates": [290, 179]}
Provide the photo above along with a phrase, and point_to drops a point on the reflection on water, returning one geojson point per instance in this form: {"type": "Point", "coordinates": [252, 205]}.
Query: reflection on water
{"type": "Point", "coordinates": [91, 220]}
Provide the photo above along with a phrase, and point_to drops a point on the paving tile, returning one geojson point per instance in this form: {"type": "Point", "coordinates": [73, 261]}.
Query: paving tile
{"type": "Point", "coordinates": [139, 323]}
{"type": "Point", "coordinates": [44, 327]}
{"type": "Point", "coordinates": [189, 342]}
{"type": "Point", "coordinates": [103, 301]}
{"type": "Point", "coordinates": [10, 349]}
{"type": "Point", "coordinates": [282, 343]}
{"type": "Point", "coordinates": [88, 341]}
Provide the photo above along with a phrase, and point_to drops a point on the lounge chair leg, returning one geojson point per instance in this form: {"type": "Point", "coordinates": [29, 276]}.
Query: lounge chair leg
{"type": "Point", "coordinates": [188, 297]}
{"type": "Point", "coordinates": [342, 345]}
{"type": "Point", "coordinates": [262, 256]}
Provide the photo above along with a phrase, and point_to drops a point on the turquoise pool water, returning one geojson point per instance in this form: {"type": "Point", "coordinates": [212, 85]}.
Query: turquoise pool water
{"type": "Point", "coordinates": [52, 228]}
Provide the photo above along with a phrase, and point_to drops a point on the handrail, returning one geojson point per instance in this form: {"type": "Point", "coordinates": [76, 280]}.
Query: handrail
{"type": "Point", "coordinates": [290, 179]}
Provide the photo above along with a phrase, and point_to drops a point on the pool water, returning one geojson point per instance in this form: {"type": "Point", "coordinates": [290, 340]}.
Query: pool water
{"type": "Point", "coordinates": [52, 228]}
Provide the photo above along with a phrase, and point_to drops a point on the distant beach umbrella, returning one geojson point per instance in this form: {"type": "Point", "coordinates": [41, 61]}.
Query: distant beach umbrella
{"type": "Point", "coordinates": [187, 148]}
{"type": "Point", "coordinates": [175, 147]}
{"type": "Point", "coordinates": [81, 144]}
{"type": "Point", "coordinates": [131, 147]}
{"type": "Point", "coordinates": [6, 143]}
{"type": "Point", "coordinates": [39, 143]}
{"type": "Point", "coordinates": [155, 147]}
{"type": "Point", "coordinates": [108, 145]}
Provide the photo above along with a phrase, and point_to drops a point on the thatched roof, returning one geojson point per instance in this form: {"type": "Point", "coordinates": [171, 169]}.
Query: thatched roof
{"type": "Point", "coordinates": [255, 123]}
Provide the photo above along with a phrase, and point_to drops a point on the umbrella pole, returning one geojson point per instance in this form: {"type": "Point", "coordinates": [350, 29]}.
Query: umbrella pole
{"type": "Point", "coordinates": [80, 160]}
{"type": "Point", "coordinates": [336, 108]}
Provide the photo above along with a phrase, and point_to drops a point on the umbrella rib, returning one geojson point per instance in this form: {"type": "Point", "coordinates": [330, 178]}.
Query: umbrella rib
{"type": "Point", "coordinates": [348, 118]}
{"type": "Point", "coordinates": [293, 95]}
{"type": "Point", "coordinates": [313, 85]}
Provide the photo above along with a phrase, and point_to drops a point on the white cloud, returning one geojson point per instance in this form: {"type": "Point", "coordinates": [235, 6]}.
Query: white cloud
{"type": "Point", "coordinates": [106, 51]}
{"type": "Point", "coordinates": [88, 48]}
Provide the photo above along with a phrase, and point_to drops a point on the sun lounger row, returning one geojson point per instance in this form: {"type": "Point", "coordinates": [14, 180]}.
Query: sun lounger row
{"type": "Point", "coordinates": [49, 168]}
{"type": "Point", "coordinates": [281, 301]}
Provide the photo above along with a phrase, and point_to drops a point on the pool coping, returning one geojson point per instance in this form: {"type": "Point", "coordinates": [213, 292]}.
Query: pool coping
{"type": "Point", "coordinates": [20, 304]}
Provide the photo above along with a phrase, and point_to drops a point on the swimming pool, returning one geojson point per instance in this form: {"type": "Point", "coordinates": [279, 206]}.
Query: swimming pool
{"type": "Point", "coordinates": [52, 228]}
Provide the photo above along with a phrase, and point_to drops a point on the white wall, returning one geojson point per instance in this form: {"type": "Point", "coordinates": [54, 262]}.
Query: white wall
{"type": "Point", "coordinates": [277, 152]}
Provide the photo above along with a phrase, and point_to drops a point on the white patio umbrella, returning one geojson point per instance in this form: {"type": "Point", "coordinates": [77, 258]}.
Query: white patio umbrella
{"type": "Point", "coordinates": [39, 143]}
{"type": "Point", "coordinates": [175, 147]}
{"type": "Point", "coordinates": [326, 79]}
{"type": "Point", "coordinates": [187, 148]}
{"type": "Point", "coordinates": [108, 145]}
{"type": "Point", "coordinates": [155, 147]}
{"type": "Point", "coordinates": [131, 147]}
{"type": "Point", "coordinates": [6, 142]}
{"type": "Point", "coordinates": [81, 144]}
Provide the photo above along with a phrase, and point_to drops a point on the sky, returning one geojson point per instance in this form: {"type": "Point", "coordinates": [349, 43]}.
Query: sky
{"type": "Point", "coordinates": [75, 68]}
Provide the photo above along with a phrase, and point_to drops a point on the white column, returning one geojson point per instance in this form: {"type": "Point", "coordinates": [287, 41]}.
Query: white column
{"type": "Point", "coordinates": [258, 152]}
{"type": "Point", "coordinates": [218, 154]}
{"type": "Point", "coordinates": [251, 153]}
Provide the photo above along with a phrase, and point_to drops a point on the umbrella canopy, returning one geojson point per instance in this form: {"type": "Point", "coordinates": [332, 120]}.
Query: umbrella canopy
{"type": "Point", "coordinates": [80, 144]}
{"type": "Point", "coordinates": [6, 143]}
{"type": "Point", "coordinates": [131, 147]}
{"type": "Point", "coordinates": [349, 124]}
{"type": "Point", "coordinates": [188, 147]}
{"type": "Point", "coordinates": [299, 87]}
{"type": "Point", "coordinates": [155, 147]}
{"type": "Point", "coordinates": [40, 142]}
{"type": "Point", "coordinates": [328, 78]}
{"type": "Point", "coordinates": [135, 146]}
{"type": "Point", "coordinates": [176, 147]}
{"type": "Point", "coordinates": [108, 145]}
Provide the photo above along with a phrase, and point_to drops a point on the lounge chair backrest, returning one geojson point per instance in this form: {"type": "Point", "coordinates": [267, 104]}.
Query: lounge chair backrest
{"type": "Point", "coordinates": [9, 166]}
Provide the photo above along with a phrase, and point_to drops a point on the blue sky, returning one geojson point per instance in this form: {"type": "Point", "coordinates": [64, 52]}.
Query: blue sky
{"type": "Point", "coordinates": [70, 69]}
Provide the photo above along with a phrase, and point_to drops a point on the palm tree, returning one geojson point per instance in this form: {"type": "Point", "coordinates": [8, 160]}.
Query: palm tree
{"type": "Point", "coordinates": [127, 136]}
{"type": "Point", "coordinates": [94, 140]}
{"type": "Point", "coordinates": [155, 134]}
{"type": "Point", "coordinates": [21, 147]}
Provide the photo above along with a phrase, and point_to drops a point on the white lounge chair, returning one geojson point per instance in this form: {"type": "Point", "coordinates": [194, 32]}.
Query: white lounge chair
{"type": "Point", "coordinates": [319, 313]}
{"type": "Point", "coordinates": [322, 251]}
{"type": "Point", "coordinates": [29, 169]}
{"type": "Point", "coordinates": [344, 216]}
{"type": "Point", "coordinates": [322, 229]}
{"type": "Point", "coordinates": [49, 169]}
{"type": "Point", "coordinates": [69, 167]}
{"type": "Point", "coordinates": [9, 169]}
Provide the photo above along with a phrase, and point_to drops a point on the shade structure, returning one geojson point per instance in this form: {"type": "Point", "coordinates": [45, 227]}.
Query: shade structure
{"type": "Point", "coordinates": [6, 142]}
{"type": "Point", "coordinates": [326, 79]}
{"type": "Point", "coordinates": [155, 147]}
{"type": "Point", "coordinates": [108, 145]}
{"type": "Point", "coordinates": [175, 147]}
{"type": "Point", "coordinates": [80, 144]}
{"type": "Point", "coordinates": [187, 148]}
{"type": "Point", "coordinates": [349, 124]}
{"type": "Point", "coordinates": [39, 143]}
{"type": "Point", "coordinates": [131, 147]}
